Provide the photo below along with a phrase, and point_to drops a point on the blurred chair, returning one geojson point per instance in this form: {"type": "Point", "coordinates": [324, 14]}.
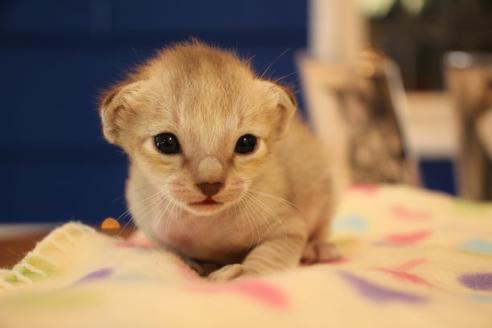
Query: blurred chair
{"type": "Point", "coordinates": [469, 78]}
{"type": "Point", "coordinates": [360, 113]}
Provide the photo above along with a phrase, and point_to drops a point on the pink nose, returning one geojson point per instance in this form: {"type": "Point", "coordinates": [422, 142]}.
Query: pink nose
{"type": "Point", "coordinates": [210, 189]}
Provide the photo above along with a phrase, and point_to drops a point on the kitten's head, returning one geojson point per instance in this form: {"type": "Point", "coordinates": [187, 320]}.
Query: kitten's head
{"type": "Point", "coordinates": [198, 124]}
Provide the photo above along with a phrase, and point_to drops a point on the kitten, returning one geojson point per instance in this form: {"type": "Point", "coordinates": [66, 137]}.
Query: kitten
{"type": "Point", "coordinates": [222, 170]}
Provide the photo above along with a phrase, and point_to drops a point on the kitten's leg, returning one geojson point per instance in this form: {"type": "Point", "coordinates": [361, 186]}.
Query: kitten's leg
{"type": "Point", "coordinates": [318, 248]}
{"type": "Point", "coordinates": [317, 251]}
{"type": "Point", "coordinates": [278, 252]}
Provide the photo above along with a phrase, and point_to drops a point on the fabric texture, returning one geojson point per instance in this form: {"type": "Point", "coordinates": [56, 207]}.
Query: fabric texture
{"type": "Point", "coordinates": [410, 259]}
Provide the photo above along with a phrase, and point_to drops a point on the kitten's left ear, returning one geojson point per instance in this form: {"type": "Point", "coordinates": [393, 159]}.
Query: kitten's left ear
{"type": "Point", "coordinates": [116, 106]}
{"type": "Point", "coordinates": [286, 105]}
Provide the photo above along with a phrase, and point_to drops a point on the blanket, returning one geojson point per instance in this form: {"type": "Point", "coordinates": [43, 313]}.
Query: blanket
{"type": "Point", "coordinates": [410, 258]}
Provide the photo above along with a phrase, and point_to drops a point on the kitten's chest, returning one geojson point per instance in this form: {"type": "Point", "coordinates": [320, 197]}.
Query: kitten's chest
{"type": "Point", "coordinates": [215, 239]}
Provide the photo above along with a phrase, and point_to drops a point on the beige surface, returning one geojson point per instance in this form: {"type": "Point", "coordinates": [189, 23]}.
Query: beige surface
{"type": "Point", "coordinates": [410, 259]}
{"type": "Point", "coordinates": [432, 125]}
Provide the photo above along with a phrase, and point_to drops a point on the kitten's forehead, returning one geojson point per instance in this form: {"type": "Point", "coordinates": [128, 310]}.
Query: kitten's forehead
{"type": "Point", "coordinates": [209, 99]}
{"type": "Point", "coordinates": [206, 95]}
{"type": "Point", "coordinates": [207, 132]}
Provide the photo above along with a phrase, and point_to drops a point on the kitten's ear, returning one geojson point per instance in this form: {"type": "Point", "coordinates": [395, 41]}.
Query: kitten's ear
{"type": "Point", "coordinates": [115, 106]}
{"type": "Point", "coordinates": [286, 105]}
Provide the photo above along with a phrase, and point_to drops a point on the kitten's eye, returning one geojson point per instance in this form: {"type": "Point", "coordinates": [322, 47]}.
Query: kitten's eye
{"type": "Point", "coordinates": [167, 143]}
{"type": "Point", "coordinates": [245, 144]}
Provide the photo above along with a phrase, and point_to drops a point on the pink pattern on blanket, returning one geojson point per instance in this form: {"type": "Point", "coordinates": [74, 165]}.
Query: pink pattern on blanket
{"type": "Point", "coordinates": [406, 239]}
{"type": "Point", "coordinates": [136, 241]}
{"type": "Point", "coordinates": [365, 189]}
{"type": "Point", "coordinates": [408, 214]}
{"type": "Point", "coordinates": [259, 291]}
{"type": "Point", "coordinates": [401, 272]}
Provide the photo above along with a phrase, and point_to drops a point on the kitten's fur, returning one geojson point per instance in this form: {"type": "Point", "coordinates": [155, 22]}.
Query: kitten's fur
{"type": "Point", "coordinates": [277, 201]}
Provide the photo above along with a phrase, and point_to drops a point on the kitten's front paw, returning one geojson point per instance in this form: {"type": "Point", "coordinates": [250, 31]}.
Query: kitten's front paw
{"type": "Point", "coordinates": [201, 267]}
{"type": "Point", "coordinates": [319, 251]}
{"type": "Point", "coordinates": [228, 272]}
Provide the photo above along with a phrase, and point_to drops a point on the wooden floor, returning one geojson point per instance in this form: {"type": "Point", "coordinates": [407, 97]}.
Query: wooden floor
{"type": "Point", "coordinates": [13, 249]}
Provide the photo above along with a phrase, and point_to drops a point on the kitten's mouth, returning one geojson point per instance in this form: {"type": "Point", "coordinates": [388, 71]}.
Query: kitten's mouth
{"type": "Point", "coordinates": [206, 202]}
{"type": "Point", "coordinates": [206, 206]}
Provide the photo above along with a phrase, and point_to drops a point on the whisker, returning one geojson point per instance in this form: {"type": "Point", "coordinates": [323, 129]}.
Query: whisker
{"type": "Point", "coordinates": [272, 219]}
{"type": "Point", "coordinates": [246, 210]}
{"type": "Point", "coordinates": [127, 213]}
{"type": "Point", "coordinates": [130, 219]}
{"type": "Point", "coordinates": [256, 219]}
{"type": "Point", "coordinates": [274, 61]}
{"type": "Point", "coordinates": [163, 211]}
{"type": "Point", "coordinates": [259, 222]}
{"type": "Point", "coordinates": [280, 199]}
{"type": "Point", "coordinates": [284, 77]}
{"type": "Point", "coordinates": [262, 214]}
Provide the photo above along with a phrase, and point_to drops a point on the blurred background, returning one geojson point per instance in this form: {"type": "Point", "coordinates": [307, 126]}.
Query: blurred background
{"type": "Point", "coordinates": [56, 56]}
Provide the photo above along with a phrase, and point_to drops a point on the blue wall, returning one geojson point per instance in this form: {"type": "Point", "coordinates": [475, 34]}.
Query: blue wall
{"type": "Point", "coordinates": [55, 56]}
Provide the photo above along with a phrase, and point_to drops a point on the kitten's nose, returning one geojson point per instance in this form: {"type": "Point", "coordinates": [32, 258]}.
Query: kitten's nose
{"type": "Point", "coordinates": [210, 189]}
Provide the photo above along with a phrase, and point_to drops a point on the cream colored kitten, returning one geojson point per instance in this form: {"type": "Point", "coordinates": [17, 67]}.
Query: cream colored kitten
{"type": "Point", "coordinates": [222, 171]}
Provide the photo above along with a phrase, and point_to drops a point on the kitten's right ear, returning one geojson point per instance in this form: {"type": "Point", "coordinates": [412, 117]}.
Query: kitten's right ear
{"type": "Point", "coordinates": [114, 108]}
